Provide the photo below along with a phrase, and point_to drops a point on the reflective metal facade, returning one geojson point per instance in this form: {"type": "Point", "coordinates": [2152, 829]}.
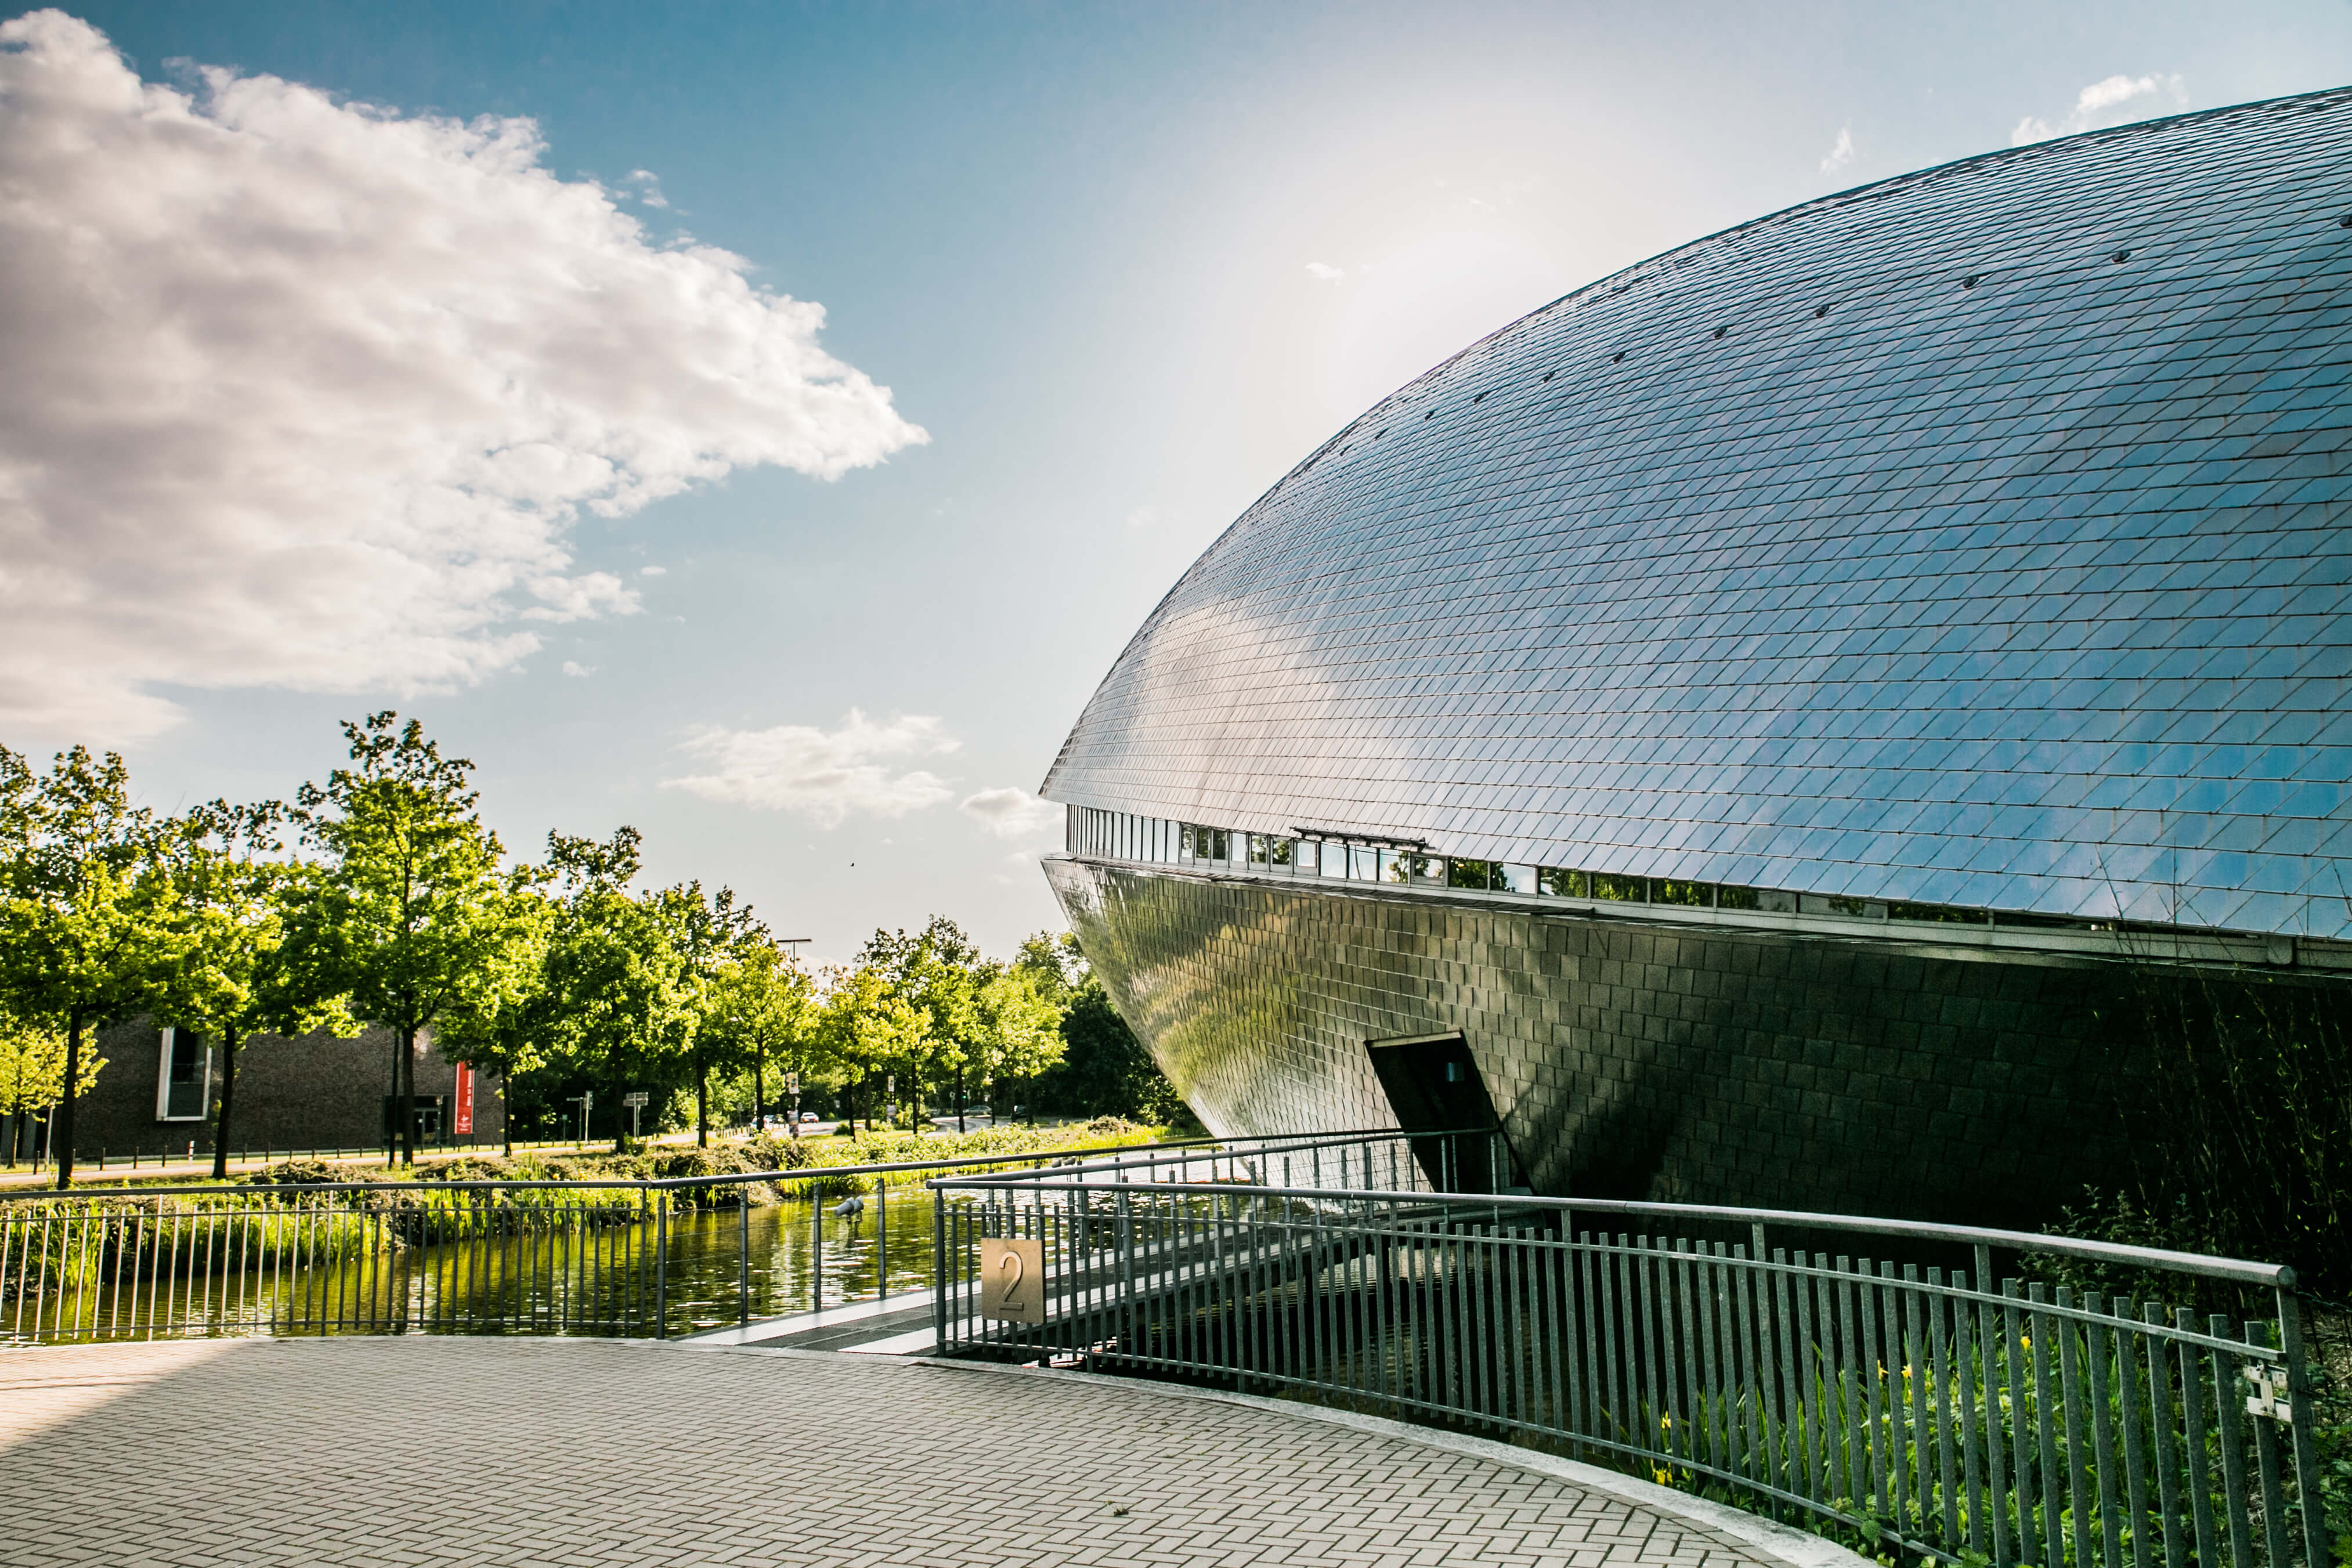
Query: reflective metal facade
{"type": "Point", "coordinates": [1978, 538]}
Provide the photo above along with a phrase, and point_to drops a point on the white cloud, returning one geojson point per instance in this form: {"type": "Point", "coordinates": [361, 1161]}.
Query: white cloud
{"type": "Point", "coordinates": [308, 394]}
{"type": "Point", "coordinates": [822, 774]}
{"type": "Point", "coordinates": [1841, 155]}
{"type": "Point", "coordinates": [1324, 273]}
{"type": "Point", "coordinates": [649, 189]}
{"type": "Point", "coordinates": [2094, 103]}
{"type": "Point", "coordinates": [574, 668]}
{"type": "Point", "coordinates": [653, 570]}
{"type": "Point", "coordinates": [1013, 813]}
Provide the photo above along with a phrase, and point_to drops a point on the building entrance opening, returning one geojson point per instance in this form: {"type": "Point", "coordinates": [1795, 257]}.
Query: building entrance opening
{"type": "Point", "coordinates": [1433, 1086]}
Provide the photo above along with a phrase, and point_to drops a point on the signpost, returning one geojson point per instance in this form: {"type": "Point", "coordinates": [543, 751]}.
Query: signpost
{"type": "Point", "coordinates": [635, 1101]}
{"type": "Point", "coordinates": [792, 1088]}
{"type": "Point", "coordinates": [584, 1101]}
{"type": "Point", "coordinates": [1013, 1279]}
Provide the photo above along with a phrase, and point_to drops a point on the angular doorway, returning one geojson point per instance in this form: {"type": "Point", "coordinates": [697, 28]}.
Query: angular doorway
{"type": "Point", "coordinates": [1433, 1086]}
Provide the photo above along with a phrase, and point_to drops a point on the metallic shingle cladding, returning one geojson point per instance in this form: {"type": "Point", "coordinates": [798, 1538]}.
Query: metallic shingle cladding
{"type": "Point", "coordinates": [1981, 537]}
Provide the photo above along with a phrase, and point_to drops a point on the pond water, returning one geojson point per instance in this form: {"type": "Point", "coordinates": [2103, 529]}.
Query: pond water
{"type": "Point", "coordinates": [616, 1273]}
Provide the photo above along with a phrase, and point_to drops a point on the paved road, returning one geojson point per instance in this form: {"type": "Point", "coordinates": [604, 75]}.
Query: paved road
{"type": "Point", "coordinates": [429, 1451]}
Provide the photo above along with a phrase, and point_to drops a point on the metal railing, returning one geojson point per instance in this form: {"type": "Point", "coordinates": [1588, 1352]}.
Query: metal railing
{"type": "Point", "coordinates": [655, 1257]}
{"type": "Point", "coordinates": [1921, 1403]}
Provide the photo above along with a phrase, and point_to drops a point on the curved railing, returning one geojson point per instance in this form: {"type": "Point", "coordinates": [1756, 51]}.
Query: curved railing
{"type": "Point", "coordinates": [1928, 1391]}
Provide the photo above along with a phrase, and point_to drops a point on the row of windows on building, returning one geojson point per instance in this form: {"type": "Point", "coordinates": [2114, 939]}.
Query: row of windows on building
{"type": "Point", "coordinates": [1123, 836]}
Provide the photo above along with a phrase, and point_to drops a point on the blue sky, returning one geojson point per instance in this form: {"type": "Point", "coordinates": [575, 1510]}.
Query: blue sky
{"type": "Point", "coordinates": [1121, 265]}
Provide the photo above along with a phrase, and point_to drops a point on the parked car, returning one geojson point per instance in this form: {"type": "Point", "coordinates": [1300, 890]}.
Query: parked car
{"type": "Point", "coordinates": [808, 1116]}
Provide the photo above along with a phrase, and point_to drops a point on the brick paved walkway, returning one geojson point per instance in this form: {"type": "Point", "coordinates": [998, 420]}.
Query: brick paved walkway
{"type": "Point", "coordinates": [246, 1453]}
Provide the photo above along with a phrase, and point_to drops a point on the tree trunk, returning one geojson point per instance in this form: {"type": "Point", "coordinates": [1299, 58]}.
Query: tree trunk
{"type": "Point", "coordinates": [408, 1094]}
{"type": "Point", "coordinates": [228, 1092]}
{"type": "Point", "coordinates": [61, 1121]}
{"type": "Point", "coordinates": [959, 1099]}
{"type": "Point", "coordinates": [759, 1094]}
{"type": "Point", "coordinates": [701, 1102]}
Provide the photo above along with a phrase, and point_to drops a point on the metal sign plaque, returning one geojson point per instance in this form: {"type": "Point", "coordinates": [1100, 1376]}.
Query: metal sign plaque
{"type": "Point", "coordinates": [1013, 1279]}
{"type": "Point", "coordinates": [635, 1099]}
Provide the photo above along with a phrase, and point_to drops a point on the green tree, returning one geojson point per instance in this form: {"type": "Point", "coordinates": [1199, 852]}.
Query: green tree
{"type": "Point", "coordinates": [1019, 1034]}
{"type": "Point", "coordinates": [510, 1030]}
{"type": "Point", "coordinates": [868, 1024]}
{"type": "Point", "coordinates": [235, 976]}
{"type": "Point", "coordinates": [88, 925]}
{"type": "Point", "coordinates": [761, 1008]}
{"type": "Point", "coordinates": [412, 920]}
{"type": "Point", "coordinates": [32, 1076]}
{"type": "Point", "coordinates": [618, 992]}
{"type": "Point", "coordinates": [706, 933]}
{"type": "Point", "coordinates": [938, 972]}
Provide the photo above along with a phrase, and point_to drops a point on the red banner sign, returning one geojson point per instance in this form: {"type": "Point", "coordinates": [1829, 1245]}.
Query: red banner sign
{"type": "Point", "coordinates": [465, 1121]}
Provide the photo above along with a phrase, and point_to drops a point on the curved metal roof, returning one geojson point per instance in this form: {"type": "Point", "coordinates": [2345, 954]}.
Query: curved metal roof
{"type": "Point", "coordinates": [1981, 537]}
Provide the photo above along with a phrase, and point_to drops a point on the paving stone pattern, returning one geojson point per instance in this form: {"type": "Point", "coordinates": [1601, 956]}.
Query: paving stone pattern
{"type": "Point", "coordinates": [241, 1453]}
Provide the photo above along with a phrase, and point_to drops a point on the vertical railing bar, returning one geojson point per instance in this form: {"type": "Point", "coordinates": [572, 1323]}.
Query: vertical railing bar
{"type": "Point", "coordinates": [2160, 1410]}
{"type": "Point", "coordinates": [2304, 1419]}
{"type": "Point", "coordinates": [2134, 1434]}
{"type": "Point", "coordinates": [1820, 1482]}
{"type": "Point", "coordinates": [1879, 1500]}
{"type": "Point", "coordinates": [2227, 1420]}
{"type": "Point", "coordinates": [1610, 1264]}
{"type": "Point", "coordinates": [2039, 1353]}
{"type": "Point", "coordinates": [1558, 1329]}
{"type": "Point", "coordinates": [1755, 1351]}
{"type": "Point", "coordinates": [1939, 1365]}
{"type": "Point", "coordinates": [1716, 1406]}
{"type": "Point", "coordinates": [1690, 1401]}
{"type": "Point", "coordinates": [1922, 1518]}
{"type": "Point", "coordinates": [2266, 1466]}
{"type": "Point", "coordinates": [1898, 1477]}
{"type": "Point", "coordinates": [2078, 1462]}
{"type": "Point", "coordinates": [1995, 1436]}
{"type": "Point", "coordinates": [2112, 1526]}
{"type": "Point", "coordinates": [1485, 1350]}
{"type": "Point", "coordinates": [2192, 1417]}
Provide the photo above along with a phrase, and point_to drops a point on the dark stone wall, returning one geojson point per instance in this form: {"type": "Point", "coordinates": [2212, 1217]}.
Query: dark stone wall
{"type": "Point", "coordinates": [1631, 1058]}
{"type": "Point", "coordinates": [313, 1091]}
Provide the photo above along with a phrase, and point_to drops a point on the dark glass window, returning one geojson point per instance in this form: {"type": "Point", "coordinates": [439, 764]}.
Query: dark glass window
{"type": "Point", "coordinates": [1667, 890]}
{"type": "Point", "coordinates": [1560, 883]}
{"type": "Point", "coordinates": [1478, 874]}
{"type": "Point", "coordinates": [1627, 889]}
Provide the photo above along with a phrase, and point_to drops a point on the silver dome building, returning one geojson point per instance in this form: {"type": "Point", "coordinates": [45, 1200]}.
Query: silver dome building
{"type": "Point", "coordinates": [1766, 722]}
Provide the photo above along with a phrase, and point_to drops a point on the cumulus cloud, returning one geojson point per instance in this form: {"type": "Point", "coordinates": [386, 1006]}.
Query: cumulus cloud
{"type": "Point", "coordinates": [2095, 104]}
{"type": "Point", "coordinates": [309, 394]}
{"type": "Point", "coordinates": [648, 187]}
{"type": "Point", "coordinates": [824, 775]}
{"type": "Point", "coordinates": [1013, 813]}
{"type": "Point", "coordinates": [578, 670]}
{"type": "Point", "coordinates": [1841, 155]}
{"type": "Point", "coordinates": [1323, 273]}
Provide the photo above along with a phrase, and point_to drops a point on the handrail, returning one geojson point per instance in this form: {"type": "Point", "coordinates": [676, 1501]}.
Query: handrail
{"type": "Point", "coordinates": [801, 1174]}
{"type": "Point", "coordinates": [1257, 1144]}
{"type": "Point", "coordinates": [1272, 1144]}
{"type": "Point", "coordinates": [2277, 1275]}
